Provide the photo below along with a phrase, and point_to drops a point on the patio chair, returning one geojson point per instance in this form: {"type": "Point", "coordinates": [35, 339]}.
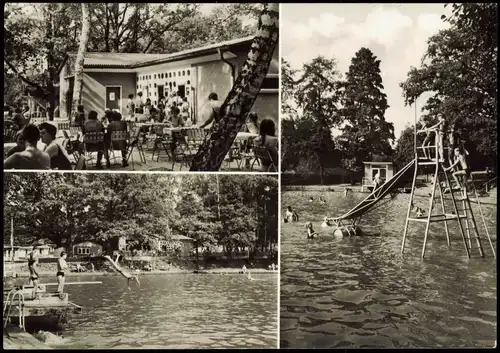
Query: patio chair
{"type": "Point", "coordinates": [80, 165]}
{"type": "Point", "coordinates": [165, 143]}
{"type": "Point", "coordinates": [136, 144]}
{"type": "Point", "coordinates": [119, 142]}
{"type": "Point", "coordinates": [72, 146]}
{"type": "Point", "coordinates": [263, 156]}
{"type": "Point", "coordinates": [93, 142]}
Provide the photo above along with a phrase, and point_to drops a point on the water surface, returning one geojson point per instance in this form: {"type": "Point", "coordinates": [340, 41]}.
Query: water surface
{"type": "Point", "coordinates": [359, 291]}
{"type": "Point", "coordinates": [174, 311]}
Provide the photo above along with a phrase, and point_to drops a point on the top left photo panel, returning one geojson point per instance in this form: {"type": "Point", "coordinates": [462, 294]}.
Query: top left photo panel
{"type": "Point", "coordinates": [141, 87]}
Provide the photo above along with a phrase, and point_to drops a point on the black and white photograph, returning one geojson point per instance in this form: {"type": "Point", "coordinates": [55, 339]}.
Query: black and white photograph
{"type": "Point", "coordinates": [141, 86]}
{"type": "Point", "coordinates": [138, 261]}
{"type": "Point", "coordinates": [388, 175]}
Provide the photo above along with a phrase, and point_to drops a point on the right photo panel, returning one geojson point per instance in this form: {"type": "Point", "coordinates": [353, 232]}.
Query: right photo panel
{"type": "Point", "coordinates": [388, 175]}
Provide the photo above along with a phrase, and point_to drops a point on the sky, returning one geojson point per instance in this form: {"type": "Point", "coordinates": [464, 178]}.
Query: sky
{"type": "Point", "coordinates": [395, 33]}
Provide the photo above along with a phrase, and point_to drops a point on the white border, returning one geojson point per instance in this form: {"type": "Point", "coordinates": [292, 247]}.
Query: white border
{"type": "Point", "coordinates": [280, 33]}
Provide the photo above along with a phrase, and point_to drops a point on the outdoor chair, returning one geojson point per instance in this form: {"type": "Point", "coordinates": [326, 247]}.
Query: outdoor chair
{"type": "Point", "coordinates": [262, 156]}
{"type": "Point", "coordinates": [118, 142]}
{"type": "Point", "coordinates": [93, 142]}
{"type": "Point", "coordinates": [165, 143]}
{"type": "Point", "coordinates": [80, 165]}
{"type": "Point", "coordinates": [72, 146]}
{"type": "Point", "coordinates": [136, 144]}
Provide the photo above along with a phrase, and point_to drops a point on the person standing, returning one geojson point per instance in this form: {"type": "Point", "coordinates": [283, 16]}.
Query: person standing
{"type": "Point", "coordinates": [61, 267]}
{"type": "Point", "coordinates": [213, 100]}
{"type": "Point", "coordinates": [130, 107]}
{"type": "Point", "coordinates": [139, 108]}
{"type": "Point", "coordinates": [32, 262]}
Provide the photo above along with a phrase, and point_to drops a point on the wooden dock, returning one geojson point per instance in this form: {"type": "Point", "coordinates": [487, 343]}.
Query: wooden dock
{"type": "Point", "coordinates": [16, 338]}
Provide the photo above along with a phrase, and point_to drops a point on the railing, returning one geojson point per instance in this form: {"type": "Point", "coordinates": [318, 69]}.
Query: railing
{"type": "Point", "coordinates": [11, 296]}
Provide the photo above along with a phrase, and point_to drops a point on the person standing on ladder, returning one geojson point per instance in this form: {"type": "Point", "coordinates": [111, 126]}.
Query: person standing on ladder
{"type": "Point", "coordinates": [463, 172]}
{"type": "Point", "coordinates": [442, 126]}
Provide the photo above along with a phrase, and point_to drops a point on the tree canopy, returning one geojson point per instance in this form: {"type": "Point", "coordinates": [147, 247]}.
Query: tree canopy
{"type": "Point", "coordinates": [459, 69]}
{"type": "Point", "coordinates": [70, 208]}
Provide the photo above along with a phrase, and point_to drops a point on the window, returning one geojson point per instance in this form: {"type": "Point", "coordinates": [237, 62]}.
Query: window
{"type": "Point", "coordinates": [161, 75]}
{"type": "Point", "coordinates": [183, 73]}
{"type": "Point", "coordinates": [174, 74]}
{"type": "Point", "coordinates": [189, 72]}
{"type": "Point", "coordinates": [188, 82]}
{"type": "Point", "coordinates": [155, 76]}
{"type": "Point", "coordinates": [155, 85]}
{"type": "Point", "coordinates": [169, 74]}
{"type": "Point", "coordinates": [150, 77]}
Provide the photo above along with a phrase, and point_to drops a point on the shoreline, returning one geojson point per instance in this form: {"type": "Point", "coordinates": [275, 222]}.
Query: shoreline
{"type": "Point", "coordinates": [156, 272]}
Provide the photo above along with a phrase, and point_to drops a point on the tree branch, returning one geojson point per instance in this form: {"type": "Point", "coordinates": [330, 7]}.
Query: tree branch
{"type": "Point", "coordinates": [24, 79]}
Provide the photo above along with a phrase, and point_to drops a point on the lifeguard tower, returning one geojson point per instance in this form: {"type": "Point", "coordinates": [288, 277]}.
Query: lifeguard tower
{"type": "Point", "coordinates": [460, 210]}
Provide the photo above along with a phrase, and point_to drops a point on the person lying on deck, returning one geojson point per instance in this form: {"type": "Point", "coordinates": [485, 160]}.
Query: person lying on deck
{"type": "Point", "coordinates": [122, 271]}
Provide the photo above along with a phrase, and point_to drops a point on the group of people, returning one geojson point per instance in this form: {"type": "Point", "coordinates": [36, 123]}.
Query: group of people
{"type": "Point", "coordinates": [172, 108]}
{"type": "Point", "coordinates": [34, 278]}
{"type": "Point", "coordinates": [457, 154]}
{"type": "Point", "coordinates": [16, 116]}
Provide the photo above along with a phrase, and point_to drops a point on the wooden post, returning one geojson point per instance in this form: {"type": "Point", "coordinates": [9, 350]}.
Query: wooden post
{"type": "Point", "coordinates": [12, 238]}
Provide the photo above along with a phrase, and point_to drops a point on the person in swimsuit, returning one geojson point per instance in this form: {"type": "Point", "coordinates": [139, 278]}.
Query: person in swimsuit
{"type": "Point", "coordinates": [463, 172]}
{"type": "Point", "coordinates": [122, 271]}
{"type": "Point", "coordinates": [215, 105]}
{"type": "Point", "coordinates": [59, 158]}
{"type": "Point", "coordinates": [34, 277]}
{"type": "Point", "coordinates": [310, 230]}
{"type": "Point", "coordinates": [31, 157]}
{"type": "Point", "coordinates": [61, 266]}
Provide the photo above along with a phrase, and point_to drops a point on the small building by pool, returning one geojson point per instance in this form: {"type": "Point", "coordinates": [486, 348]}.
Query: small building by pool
{"type": "Point", "coordinates": [87, 248]}
{"type": "Point", "coordinates": [385, 168]}
{"type": "Point", "coordinates": [109, 78]}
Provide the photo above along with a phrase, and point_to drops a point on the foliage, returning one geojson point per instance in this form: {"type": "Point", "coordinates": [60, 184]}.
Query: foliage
{"type": "Point", "coordinates": [38, 36]}
{"type": "Point", "coordinates": [366, 132]}
{"type": "Point", "coordinates": [70, 208]}
{"type": "Point", "coordinates": [459, 68]}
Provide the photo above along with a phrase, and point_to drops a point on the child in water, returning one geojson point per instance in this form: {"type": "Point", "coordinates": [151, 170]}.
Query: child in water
{"type": "Point", "coordinates": [123, 272]}
{"type": "Point", "coordinates": [325, 223]}
{"type": "Point", "coordinates": [310, 230]}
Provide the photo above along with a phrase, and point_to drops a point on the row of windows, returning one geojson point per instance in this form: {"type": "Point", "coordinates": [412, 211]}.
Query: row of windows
{"type": "Point", "coordinates": [83, 250]}
{"type": "Point", "coordinates": [268, 83]}
{"type": "Point", "coordinates": [165, 75]}
{"type": "Point", "coordinates": [169, 84]}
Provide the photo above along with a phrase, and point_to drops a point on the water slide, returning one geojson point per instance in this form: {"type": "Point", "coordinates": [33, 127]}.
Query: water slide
{"type": "Point", "coordinates": [377, 195]}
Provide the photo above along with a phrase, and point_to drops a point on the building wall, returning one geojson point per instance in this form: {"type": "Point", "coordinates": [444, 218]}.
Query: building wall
{"type": "Point", "coordinates": [95, 249]}
{"type": "Point", "coordinates": [216, 77]}
{"type": "Point", "coordinates": [94, 89]}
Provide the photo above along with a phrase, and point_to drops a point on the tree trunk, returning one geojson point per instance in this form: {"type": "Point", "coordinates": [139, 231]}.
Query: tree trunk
{"type": "Point", "coordinates": [243, 94]}
{"type": "Point", "coordinates": [80, 58]}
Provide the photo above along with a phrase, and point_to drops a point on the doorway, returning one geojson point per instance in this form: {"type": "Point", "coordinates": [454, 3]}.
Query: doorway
{"type": "Point", "coordinates": [161, 92]}
{"type": "Point", "coordinates": [181, 91]}
{"type": "Point", "coordinates": [113, 97]}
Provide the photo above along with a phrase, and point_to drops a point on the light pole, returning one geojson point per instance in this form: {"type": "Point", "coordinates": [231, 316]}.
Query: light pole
{"type": "Point", "coordinates": [266, 198]}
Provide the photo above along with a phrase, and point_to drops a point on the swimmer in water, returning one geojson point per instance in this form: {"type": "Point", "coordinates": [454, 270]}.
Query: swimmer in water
{"type": "Point", "coordinates": [310, 230]}
{"type": "Point", "coordinates": [123, 272]}
{"type": "Point", "coordinates": [325, 223]}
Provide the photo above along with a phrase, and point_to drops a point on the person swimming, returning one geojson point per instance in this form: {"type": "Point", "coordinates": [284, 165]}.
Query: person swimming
{"type": "Point", "coordinates": [325, 223]}
{"type": "Point", "coordinates": [310, 231]}
{"type": "Point", "coordinates": [122, 271]}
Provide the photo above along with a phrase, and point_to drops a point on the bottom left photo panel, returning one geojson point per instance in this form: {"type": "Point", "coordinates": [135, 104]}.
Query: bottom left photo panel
{"type": "Point", "coordinates": [115, 260]}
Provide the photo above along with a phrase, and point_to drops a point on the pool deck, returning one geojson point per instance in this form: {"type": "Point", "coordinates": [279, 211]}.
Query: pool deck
{"type": "Point", "coordinates": [159, 272]}
{"type": "Point", "coordinates": [15, 338]}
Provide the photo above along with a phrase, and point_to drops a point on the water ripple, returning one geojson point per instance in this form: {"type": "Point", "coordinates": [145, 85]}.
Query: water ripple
{"type": "Point", "coordinates": [360, 292]}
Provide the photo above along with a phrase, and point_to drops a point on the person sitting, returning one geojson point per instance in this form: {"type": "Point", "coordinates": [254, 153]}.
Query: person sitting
{"type": "Point", "coordinates": [31, 157]}
{"type": "Point", "coordinates": [463, 171]}
{"type": "Point", "coordinates": [117, 124]}
{"type": "Point", "coordinates": [269, 140]}
{"type": "Point", "coordinates": [215, 106]}
{"type": "Point", "coordinates": [252, 123]}
{"type": "Point", "coordinates": [177, 119]}
{"type": "Point", "coordinates": [107, 118]}
{"type": "Point", "coordinates": [18, 119]}
{"type": "Point", "coordinates": [59, 158]}
{"type": "Point", "coordinates": [94, 125]}
{"type": "Point", "coordinates": [20, 145]}
{"type": "Point", "coordinates": [80, 117]}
